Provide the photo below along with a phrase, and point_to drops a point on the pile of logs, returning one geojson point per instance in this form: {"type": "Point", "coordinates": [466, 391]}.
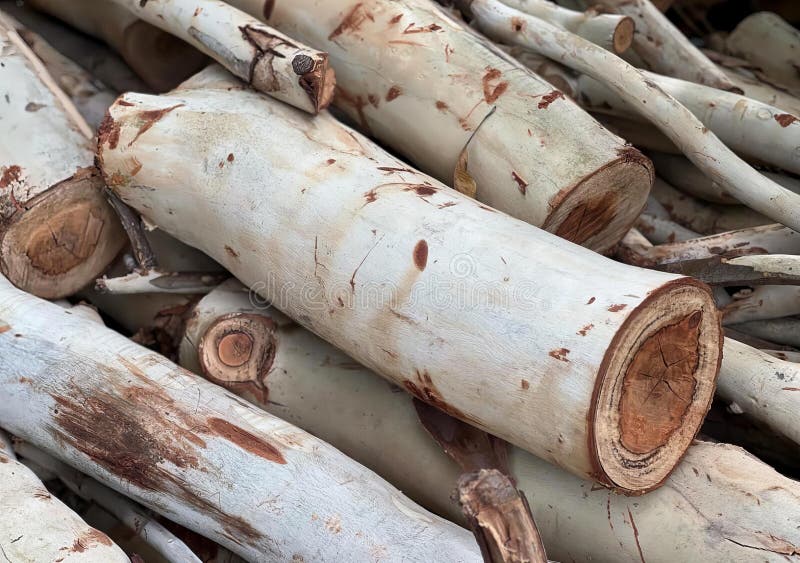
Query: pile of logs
{"type": "Point", "coordinates": [399, 280]}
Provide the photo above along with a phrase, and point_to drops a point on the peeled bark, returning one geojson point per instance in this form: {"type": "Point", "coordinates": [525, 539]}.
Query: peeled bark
{"type": "Point", "coordinates": [694, 139]}
{"type": "Point", "coordinates": [361, 234]}
{"type": "Point", "coordinates": [56, 230]}
{"type": "Point", "coordinates": [768, 41]}
{"type": "Point", "coordinates": [196, 453]}
{"type": "Point", "coordinates": [160, 59]}
{"type": "Point", "coordinates": [319, 388]}
{"type": "Point", "coordinates": [457, 107]}
{"type": "Point", "coordinates": [258, 54]}
{"type": "Point", "coordinates": [36, 526]}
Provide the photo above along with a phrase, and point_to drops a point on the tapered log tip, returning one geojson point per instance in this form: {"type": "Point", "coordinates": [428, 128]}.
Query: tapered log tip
{"type": "Point", "coordinates": [656, 385]}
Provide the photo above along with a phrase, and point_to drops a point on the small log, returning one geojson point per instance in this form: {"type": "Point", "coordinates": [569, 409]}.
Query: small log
{"type": "Point", "coordinates": [158, 281]}
{"type": "Point", "coordinates": [56, 230]}
{"type": "Point", "coordinates": [159, 58]}
{"type": "Point", "coordinates": [694, 139]}
{"type": "Point", "coordinates": [36, 526]}
{"type": "Point", "coordinates": [194, 452]}
{"type": "Point", "coordinates": [660, 231]}
{"type": "Point", "coordinates": [133, 517]}
{"type": "Point", "coordinates": [258, 54]}
{"type": "Point", "coordinates": [363, 220]}
{"type": "Point", "coordinates": [764, 302]}
{"type": "Point", "coordinates": [785, 355]}
{"type": "Point", "coordinates": [463, 109]}
{"type": "Point", "coordinates": [784, 330]}
{"type": "Point", "coordinates": [768, 41]}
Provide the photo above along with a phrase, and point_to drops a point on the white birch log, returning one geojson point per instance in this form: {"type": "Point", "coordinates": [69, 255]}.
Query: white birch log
{"type": "Point", "coordinates": [36, 526]}
{"type": "Point", "coordinates": [784, 331]}
{"type": "Point", "coordinates": [164, 542]}
{"type": "Point", "coordinates": [701, 146]}
{"type": "Point", "coordinates": [662, 46]}
{"type": "Point", "coordinates": [159, 281]}
{"type": "Point", "coordinates": [764, 302]}
{"type": "Point", "coordinates": [765, 388]}
{"type": "Point", "coordinates": [363, 249]}
{"type": "Point", "coordinates": [312, 384]}
{"type": "Point", "coordinates": [56, 230]}
{"type": "Point", "coordinates": [678, 171]}
{"type": "Point", "coordinates": [258, 54]}
{"type": "Point", "coordinates": [660, 231]}
{"type": "Point", "coordinates": [763, 92]}
{"type": "Point", "coordinates": [159, 58]}
{"type": "Point", "coordinates": [197, 454]}
{"type": "Point", "coordinates": [454, 106]}
{"type": "Point", "coordinates": [768, 41]}
{"type": "Point", "coordinates": [612, 32]}
{"type": "Point", "coordinates": [785, 355]}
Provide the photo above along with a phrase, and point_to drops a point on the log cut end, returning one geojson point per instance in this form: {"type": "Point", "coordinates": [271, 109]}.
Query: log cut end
{"type": "Point", "coordinates": [598, 211]}
{"type": "Point", "coordinates": [623, 35]}
{"type": "Point", "coordinates": [64, 238]}
{"type": "Point", "coordinates": [318, 80]}
{"type": "Point", "coordinates": [162, 60]}
{"type": "Point", "coordinates": [237, 351]}
{"type": "Point", "coordinates": [656, 385]}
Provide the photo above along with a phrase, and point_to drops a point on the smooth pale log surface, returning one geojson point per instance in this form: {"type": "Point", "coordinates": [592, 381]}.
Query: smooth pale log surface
{"type": "Point", "coordinates": [363, 249]}
{"type": "Point", "coordinates": [56, 230]}
{"type": "Point", "coordinates": [765, 302]}
{"type": "Point", "coordinates": [763, 92]}
{"type": "Point", "coordinates": [784, 331]}
{"type": "Point", "coordinates": [159, 58]}
{"type": "Point", "coordinates": [767, 40]}
{"type": "Point", "coordinates": [36, 526]}
{"type": "Point", "coordinates": [765, 388]}
{"type": "Point", "coordinates": [659, 230]}
{"type": "Point", "coordinates": [425, 86]}
{"type": "Point", "coordinates": [258, 54]}
{"type": "Point", "coordinates": [196, 453]}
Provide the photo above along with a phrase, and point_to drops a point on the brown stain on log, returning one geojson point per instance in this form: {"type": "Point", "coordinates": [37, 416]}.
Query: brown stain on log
{"type": "Point", "coordinates": [560, 354]}
{"type": "Point", "coordinates": [422, 190]}
{"type": "Point", "coordinates": [421, 255]}
{"type": "Point", "coordinates": [617, 307]}
{"type": "Point", "coordinates": [521, 184]}
{"type": "Point", "coordinates": [108, 132]}
{"type": "Point", "coordinates": [517, 24]}
{"type": "Point", "coordinates": [585, 330]}
{"type": "Point", "coordinates": [246, 440]}
{"type": "Point", "coordinates": [659, 385]}
{"type": "Point", "coordinates": [231, 252]}
{"type": "Point", "coordinates": [412, 28]}
{"type": "Point", "coordinates": [11, 175]}
{"type": "Point", "coordinates": [422, 388]}
{"type": "Point", "coordinates": [588, 218]}
{"type": "Point", "coordinates": [591, 300]}
{"type": "Point", "coordinates": [393, 92]}
{"type": "Point", "coordinates": [492, 92]}
{"type": "Point", "coordinates": [785, 119]}
{"type": "Point", "coordinates": [89, 539]}
{"type": "Point", "coordinates": [525, 384]}
{"type": "Point", "coordinates": [548, 99]}
{"type": "Point", "coordinates": [441, 106]}
{"type": "Point", "coordinates": [352, 21]}
{"type": "Point", "coordinates": [395, 19]}
{"type": "Point", "coordinates": [149, 118]}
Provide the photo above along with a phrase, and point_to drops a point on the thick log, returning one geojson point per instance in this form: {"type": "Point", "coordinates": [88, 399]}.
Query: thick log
{"type": "Point", "coordinates": [764, 302]}
{"type": "Point", "coordinates": [694, 139]}
{"type": "Point", "coordinates": [159, 58]}
{"type": "Point", "coordinates": [719, 504]}
{"type": "Point", "coordinates": [56, 230]}
{"type": "Point", "coordinates": [196, 453]}
{"type": "Point", "coordinates": [367, 233]}
{"type": "Point", "coordinates": [36, 526]}
{"type": "Point", "coordinates": [475, 112]}
{"type": "Point", "coordinates": [760, 90]}
{"type": "Point", "coordinates": [768, 41]}
{"type": "Point", "coordinates": [258, 54]}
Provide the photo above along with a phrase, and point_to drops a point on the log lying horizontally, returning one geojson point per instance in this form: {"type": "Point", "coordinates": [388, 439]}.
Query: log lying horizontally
{"type": "Point", "coordinates": [160, 59]}
{"type": "Point", "coordinates": [363, 249]}
{"type": "Point", "coordinates": [36, 526]}
{"type": "Point", "coordinates": [198, 454]}
{"type": "Point", "coordinates": [56, 230]}
{"type": "Point", "coordinates": [695, 514]}
{"type": "Point", "coordinates": [262, 56]}
{"type": "Point", "coordinates": [530, 152]}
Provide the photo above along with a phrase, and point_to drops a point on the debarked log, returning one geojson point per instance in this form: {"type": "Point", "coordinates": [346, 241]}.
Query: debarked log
{"type": "Point", "coordinates": [194, 452]}
{"type": "Point", "coordinates": [461, 110]}
{"type": "Point", "coordinates": [362, 249]}
{"type": "Point", "coordinates": [56, 230]}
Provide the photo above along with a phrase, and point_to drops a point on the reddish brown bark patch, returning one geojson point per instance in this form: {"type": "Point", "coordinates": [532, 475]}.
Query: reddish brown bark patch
{"type": "Point", "coordinates": [617, 307]}
{"type": "Point", "coordinates": [422, 190]}
{"type": "Point", "coordinates": [88, 539]}
{"type": "Point", "coordinates": [231, 252]}
{"type": "Point", "coordinates": [590, 301]}
{"type": "Point", "coordinates": [588, 218]}
{"type": "Point", "coordinates": [785, 119]}
{"type": "Point", "coordinates": [246, 440]}
{"type": "Point", "coordinates": [491, 92]}
{"type": "Point", "coordinates": [352, 21]}
{"type": "Point", "coordinates": [395, 19]}
{"type": "Point", "coordinates": [393, 92]}
{"type": "Point", "coordinates": [560, 354]}
{"type": "Point", "coordinates": [421, 255]}
{"type": "Point", "coordinates": [412, 28]}
{"type": "Point", "coordinates": [441, 106]}
{"type": "Point", "coordinates": [422, 388]}
{"type": "Point", "coordinates": [108, 132]}
{"type": "Point", "coordinates": [659, 385]}
{"type": "Point", "coordinates": [548, 99]}
{"type": "Point", "coordinates": [525, 384]}
{"type": "Point", "coordinates": [11, 175]}
{"type": "Point", "coordinates": [585, 330]}
{"type": "Point", "coordinates": [521, 184]}
{"type": "Point", "coordinates": [149, 118]}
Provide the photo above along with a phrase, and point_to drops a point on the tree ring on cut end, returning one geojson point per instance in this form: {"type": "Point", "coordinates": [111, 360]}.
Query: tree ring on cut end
{"type": "Point", "coordinates": [238, 348]}
{"type": "Point", "coordinates": [655, 386]}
